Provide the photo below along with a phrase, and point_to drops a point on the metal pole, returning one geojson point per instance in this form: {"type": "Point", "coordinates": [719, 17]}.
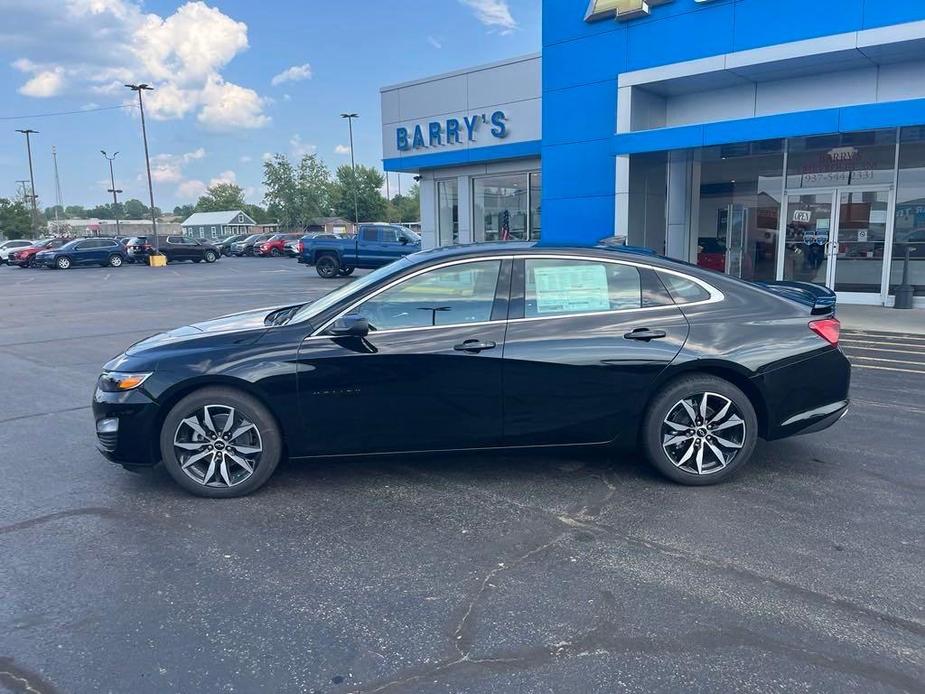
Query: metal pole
{"type": "Point", "coordinates": [33, 196]}
{"type": "Point", "coordinates": [58, 196]}
{"type": "Point", "coordinates": [388, 196]}
{"type": "Point", "coordinates": [113, 190]}
{"type": "Point", "coordinates": [353, 166]}
{"type": "Point", "coordinates": [144, 134]}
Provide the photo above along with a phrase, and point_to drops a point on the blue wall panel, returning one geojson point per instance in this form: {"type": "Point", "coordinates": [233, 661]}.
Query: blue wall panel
{"type": "Point", "coordinates": [762, 23]}
{"type": "Point", "coordinates": [577, 220]}
{"type": "Point", "coordinates": [578, 114]}
{"type": "Point", "coordinates": [578, 169]}
{"type": "Point", "coordinates": [685, 36]}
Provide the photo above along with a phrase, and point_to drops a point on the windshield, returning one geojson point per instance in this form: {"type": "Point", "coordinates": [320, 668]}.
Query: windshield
{"type": "Point", "coordinates": [311, 310]}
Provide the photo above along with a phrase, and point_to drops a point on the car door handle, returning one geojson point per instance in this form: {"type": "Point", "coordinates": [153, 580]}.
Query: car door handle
{"type": "Point", "coordinates": [645, 334]}
{"type": "Point", "coordinates": [474, 346]}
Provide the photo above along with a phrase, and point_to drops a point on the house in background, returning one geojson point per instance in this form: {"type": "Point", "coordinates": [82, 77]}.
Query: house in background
{"type": "Point", "coordinates": [215, 225]}
{"type": "Point", "coordinates": [331, 225]}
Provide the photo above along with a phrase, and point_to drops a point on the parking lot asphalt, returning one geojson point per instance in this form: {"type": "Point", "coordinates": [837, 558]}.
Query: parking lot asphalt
{"type": "Point", "coordinates": [567, 572]}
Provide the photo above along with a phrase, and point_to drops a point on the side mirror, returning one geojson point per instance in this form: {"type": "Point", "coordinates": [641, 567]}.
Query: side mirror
{"type": "Point", "coordinates": [403, 240]}
{"type": "Point", "coordinates": [350, 326]}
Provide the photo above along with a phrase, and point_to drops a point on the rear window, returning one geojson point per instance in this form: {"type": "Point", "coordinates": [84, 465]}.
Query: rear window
{"type": "Point", "coordinates": [682, 289]}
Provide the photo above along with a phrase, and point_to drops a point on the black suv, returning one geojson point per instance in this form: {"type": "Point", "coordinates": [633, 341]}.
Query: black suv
{"type": "Point", "coordinates": [176, 248]}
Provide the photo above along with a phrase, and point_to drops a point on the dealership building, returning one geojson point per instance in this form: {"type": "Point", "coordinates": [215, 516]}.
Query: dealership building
{"type": "Point", "coordinates": [768, 139]}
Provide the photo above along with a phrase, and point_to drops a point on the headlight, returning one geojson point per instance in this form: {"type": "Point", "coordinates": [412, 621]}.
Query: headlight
{"type": "Point", "coordinates": [117, 382]}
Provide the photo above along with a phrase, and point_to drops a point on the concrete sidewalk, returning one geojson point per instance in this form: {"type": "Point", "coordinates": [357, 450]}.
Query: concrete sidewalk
{"type": "Point", "coordinates": [880, 319]}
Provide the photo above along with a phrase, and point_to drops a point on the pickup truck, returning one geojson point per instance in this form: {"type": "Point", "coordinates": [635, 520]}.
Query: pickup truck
{"type": "Point", "coordinates": [373, 246]}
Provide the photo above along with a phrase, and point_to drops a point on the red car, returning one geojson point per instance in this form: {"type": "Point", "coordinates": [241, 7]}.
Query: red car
{"type": "Point", "coordinates": [275, 246]}
{"type": "Point", "coordinates": [25, 257]}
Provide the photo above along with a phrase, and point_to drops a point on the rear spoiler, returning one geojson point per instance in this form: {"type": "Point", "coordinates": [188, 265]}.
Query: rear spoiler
{"type": "Point", "coordinates": [820, 300]}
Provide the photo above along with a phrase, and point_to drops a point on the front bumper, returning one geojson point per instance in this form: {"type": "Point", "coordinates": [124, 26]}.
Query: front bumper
{"type": "Point", "coordinates": [126, 427]}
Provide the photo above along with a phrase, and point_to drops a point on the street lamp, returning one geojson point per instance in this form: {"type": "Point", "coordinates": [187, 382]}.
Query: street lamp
{"type": "Point", "coordinates": [32, 196]}
{"type": "Point", "coordinates": [144, 134]}
{"type": "Point", "coordinates": [113, 190]}
{"type": "Point", "coordinates": [353, 165]}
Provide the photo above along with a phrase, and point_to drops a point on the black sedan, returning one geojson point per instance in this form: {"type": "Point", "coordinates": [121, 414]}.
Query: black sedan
{"type": "Point", "coordinates": [506, 345]}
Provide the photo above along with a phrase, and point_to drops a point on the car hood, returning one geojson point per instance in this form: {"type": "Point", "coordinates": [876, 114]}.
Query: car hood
{"type": "Point", "coordinates": [236, 323]}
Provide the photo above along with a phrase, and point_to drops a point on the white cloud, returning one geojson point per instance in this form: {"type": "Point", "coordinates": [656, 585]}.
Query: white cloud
{"type": "Point", "coordinates": [494, 14]}
{"type": "Point", "coordinates": [299, 148]}
{"type": "Point", "coordinates": [97, 46]}
{"type": "Point", "coordinates": [224, 177]}
{"type": "Point", "coordinates": [342, 149]}
{"type": "Point", "coordinates": [44, 83]}
{"type": "Point", "coordinates": [246, 158]}
{"type": "Point", "coordinates": [168, 168]}
{"type": "Point", "coordinates": [436, 43]}
{"type": "Point", "coordinates": [267, 156]}
{"type": "Point", "coordinates": [191, 190]}
{"type": "Point", "coordinates": [296, 73]}
{"type": "Point", "coordinates": [287, 97]}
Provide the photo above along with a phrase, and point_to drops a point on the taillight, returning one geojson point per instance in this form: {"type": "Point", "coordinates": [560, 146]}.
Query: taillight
{"type": "Point", "coordinates": [828, 329]}
{"type": "Point", "coordinates": [301, 247]}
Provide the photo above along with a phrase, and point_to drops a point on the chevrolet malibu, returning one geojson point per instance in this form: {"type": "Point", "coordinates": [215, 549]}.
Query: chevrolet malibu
{"type": "Point", "coordinates": [512, 345]}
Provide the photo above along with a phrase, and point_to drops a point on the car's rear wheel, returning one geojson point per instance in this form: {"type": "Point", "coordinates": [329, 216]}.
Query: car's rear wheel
{"type": "Point", "coordinates": [219, 442]}
{"type": "Point", "coordinates": [699, 430]}
{"type": "Point", "coordinates": [275, 252]}
{"type": "Point", "coordinates": [63, 263]}
{"type": "Point", "coordinates": [115, 260]}
{"type": "Point", "coordinates": [346, 271]}
{"type": "Point", "coordinates": [210, 256]}
{"type": "Point", "coordinates": [327, 267]}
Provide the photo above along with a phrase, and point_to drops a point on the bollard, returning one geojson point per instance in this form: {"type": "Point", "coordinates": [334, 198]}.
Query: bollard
{"type": "Point", "coordinates": [905, 292]}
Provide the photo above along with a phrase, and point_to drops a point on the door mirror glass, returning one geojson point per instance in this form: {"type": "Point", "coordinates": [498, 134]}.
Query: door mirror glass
{"type": "Point", "coordinates": [352, 325]}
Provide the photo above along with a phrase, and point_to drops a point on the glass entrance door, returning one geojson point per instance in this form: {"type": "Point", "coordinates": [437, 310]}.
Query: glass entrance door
{"type": "Point", "coordinates": [860, 244]}
{"type": "Point", "coordinates": [838, 238]}
{"type": "Point", "coordinates": [807, 252]}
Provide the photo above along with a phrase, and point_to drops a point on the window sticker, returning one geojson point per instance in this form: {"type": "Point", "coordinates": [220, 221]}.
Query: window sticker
{"type": "Point", "coordinates": [571, 288]}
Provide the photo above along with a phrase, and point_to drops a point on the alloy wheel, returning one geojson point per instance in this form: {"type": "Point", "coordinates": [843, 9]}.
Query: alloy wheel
{"type": "Point", "coordinates": [703, 433]}
{"type": "Point", "coordinates": [217, 447]}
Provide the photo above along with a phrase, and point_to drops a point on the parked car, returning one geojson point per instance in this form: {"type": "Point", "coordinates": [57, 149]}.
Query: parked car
{"type": "Point", "coordinates": [7, 247]}
{"type": "Point", "coordinates": [176, 248]}
{"type": "Point", "coordinates": [224, 245]}
{"type": "Point", "coordinates": [374, 245]}
{"type": "Point", "coordinates": [533, 346]}
{"type": "Point", "coordinates": [246, 247]}
{"type": "Point", "coordinates": [275, 246]}
{"type": "Point", "coordinates": [94, 251]}
{"type": "Point", "coordinates": [296, 248]}
{"type": "Point", "coordinates": [25, 257]}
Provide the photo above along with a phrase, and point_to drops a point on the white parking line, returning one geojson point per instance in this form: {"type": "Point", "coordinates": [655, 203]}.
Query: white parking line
{"type": "Point", "coordinates": [887, 368]}
{"type": "Point", "coordinates": [892, 361]}
{"type": "Point", "coordinates": [883, 344]}
{"type": "Point", "coordinates": [877, 349]}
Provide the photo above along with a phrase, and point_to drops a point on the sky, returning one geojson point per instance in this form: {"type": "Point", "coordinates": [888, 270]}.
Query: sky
{"type": "Point", "coordinates": [235, 80]}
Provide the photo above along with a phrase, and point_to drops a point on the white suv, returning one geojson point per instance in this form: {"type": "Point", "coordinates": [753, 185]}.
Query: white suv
{"type": "Point", "coordinates": [7, 247]}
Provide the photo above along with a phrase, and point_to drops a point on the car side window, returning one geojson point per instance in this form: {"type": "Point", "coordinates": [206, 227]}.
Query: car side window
{"type": "Point", "coordinates": [458, 294]}
{"type": "Point", "coordinates": [389, 235]}
{"type": "Point", "coordinates": [84, 245]}
{"type": "Point", "coordinates": [562, 287]}
{"type": "Point", "coordinates": [369, 234]}
{"type": "Point", "coordinates": [682, 289]}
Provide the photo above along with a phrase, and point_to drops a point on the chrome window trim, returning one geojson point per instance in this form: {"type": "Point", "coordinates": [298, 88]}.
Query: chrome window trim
{"type": "Point", "coordinates": [715, 294]}
{"type": "Point", "coordinates": [401, 280]}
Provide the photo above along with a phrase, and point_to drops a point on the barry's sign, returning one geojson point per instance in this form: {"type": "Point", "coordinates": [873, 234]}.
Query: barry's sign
{"type": "Point", "coordinates": [624, 9]}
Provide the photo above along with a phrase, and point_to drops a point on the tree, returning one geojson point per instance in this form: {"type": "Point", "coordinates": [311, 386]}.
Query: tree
{"type": "Point", "coordinates": [222, 197]}
{"type": "Point", "coordinates": [135, 209]}
{"type": "Point", "coordinates": [75, 212]}
{"type": "Point", "coordinates": [406, 208]}
{"type": "Point", "coordinates": [296, 195]}
{"type": "Point", "coordinates": [50, 212]}
{"type": "Point", "coordinates": [369, 201]}
{"type": "Point", "coordinates": [184, 210]}
{"type": "Point", "coordinates": [15, 219]}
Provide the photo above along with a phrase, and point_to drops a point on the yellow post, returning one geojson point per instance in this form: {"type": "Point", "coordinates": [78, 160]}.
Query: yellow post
{"type": "Point", "coordinates": [157, 261]}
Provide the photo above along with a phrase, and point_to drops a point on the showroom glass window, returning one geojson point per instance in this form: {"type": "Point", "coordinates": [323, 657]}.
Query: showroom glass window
{"type": "Point", "coordinates": [845, 159]}
{"type": "Point", "coordinates": [647, 201]}
{"type": "Point", "coordinates": [502, 207]}
{"type": "Point", "coordinates": [536, 189]}
{"type": "Point", "coordinates": [458, 294]}
{"type": "Point", "coordinates": [740, 201]}
{"type": "Point", "coordinates": [447, 212]}
{"type": "Point", "coordinates": [909, 231]}
{"type": "Point", "coordinates": [564, 287]}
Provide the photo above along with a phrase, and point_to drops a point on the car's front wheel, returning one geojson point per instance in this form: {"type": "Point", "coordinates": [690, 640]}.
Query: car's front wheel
{"type": "Point", "coordinates": [219, 442]}
{"type": "Point", "coordinates": [115, 260]}
{"type": "Point", "coordinates": [63, 263]}
{"type": "Point", "coordinates": [327, 267]}
{"type": "Point", "coordinates": [210, 256]}
{"type": "Point", "coordinates": [699, 430]}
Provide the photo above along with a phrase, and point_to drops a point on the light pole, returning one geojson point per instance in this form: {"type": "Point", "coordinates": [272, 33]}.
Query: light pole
{"type": "Point", "coordinates": [113, 190]}
{"type": "Point", "coordinates": [144, 134]}
{"type": "Point", "coordinates": [27, 132]}
{"type": "Point", "coordinates": [353, 165]}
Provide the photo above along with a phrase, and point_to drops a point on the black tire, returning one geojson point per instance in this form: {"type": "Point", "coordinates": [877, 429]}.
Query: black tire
{"type": "Point", "coordinates": [346, 271]}
{"type": "Point", "coordinates": [63, 263]}
{"type": "Point", "coordinates": [115, 260]}
{"type": "Point", "coordinates": [327, 267]}
{"type": "Point", "coordinates": [275, 253]}
{"type": "Point", "coordinates": [244, 405]}
{"type": "Point", "coordinates": [209, 256]}
{"type": "Point", "coordinates": [699, 439]}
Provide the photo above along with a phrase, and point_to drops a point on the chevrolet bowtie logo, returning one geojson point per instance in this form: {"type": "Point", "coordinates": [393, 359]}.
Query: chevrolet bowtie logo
{"type": "Point", "coordinates": [623, 9]}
